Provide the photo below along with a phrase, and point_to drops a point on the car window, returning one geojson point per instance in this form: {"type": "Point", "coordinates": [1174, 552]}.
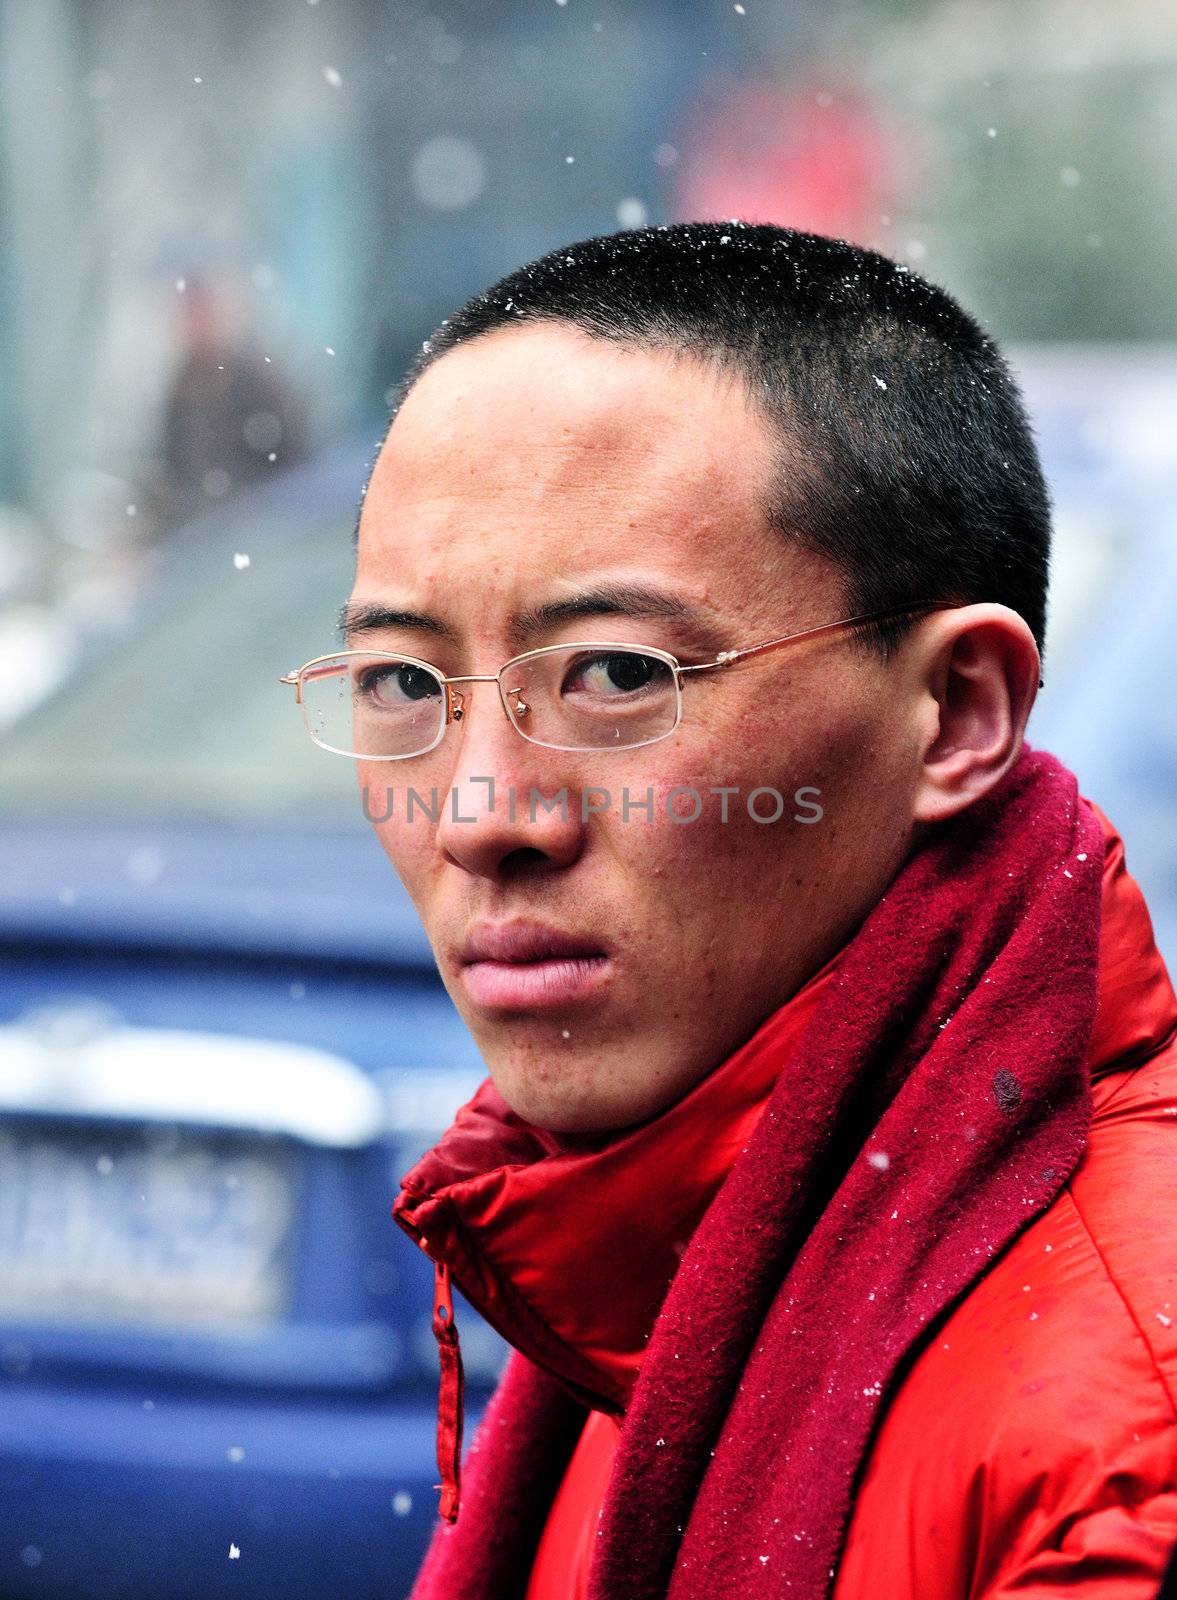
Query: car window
{"type": "Point", "coordinates": [184, 716]}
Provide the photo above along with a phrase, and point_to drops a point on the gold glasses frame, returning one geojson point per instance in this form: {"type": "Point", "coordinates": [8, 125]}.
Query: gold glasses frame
{"type": "Point", "coordinates": [455, 699]}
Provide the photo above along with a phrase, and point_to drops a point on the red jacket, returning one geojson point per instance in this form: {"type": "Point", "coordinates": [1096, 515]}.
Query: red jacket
{"type": "Point", "coordinates": [1032, 1444]}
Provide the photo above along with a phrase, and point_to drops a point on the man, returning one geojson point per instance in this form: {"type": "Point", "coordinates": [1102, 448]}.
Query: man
{"type": "Point", "coordinates": [821, 1179]}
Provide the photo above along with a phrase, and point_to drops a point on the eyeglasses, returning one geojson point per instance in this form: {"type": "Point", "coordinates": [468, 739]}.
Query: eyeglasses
{"type": "Point", "coordinates": [377, 705]}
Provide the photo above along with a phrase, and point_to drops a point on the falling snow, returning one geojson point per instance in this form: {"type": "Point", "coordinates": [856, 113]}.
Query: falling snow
{"type": "Point", "coordinates": [448, 172]}
{"type": "Point", "coordinates": [240, 560]}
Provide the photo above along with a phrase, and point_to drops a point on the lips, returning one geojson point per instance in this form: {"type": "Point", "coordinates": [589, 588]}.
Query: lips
{"type": "Point", "coordinates": [525, 966]}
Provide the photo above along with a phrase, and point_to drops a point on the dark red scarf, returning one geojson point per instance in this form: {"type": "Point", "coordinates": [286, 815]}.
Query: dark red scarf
{"type": "Point", "coordinates": [936, 1103]}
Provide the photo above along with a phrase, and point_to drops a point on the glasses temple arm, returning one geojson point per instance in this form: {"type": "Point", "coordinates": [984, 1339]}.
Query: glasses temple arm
{"type": "Point", "coordinates": [726, 657]}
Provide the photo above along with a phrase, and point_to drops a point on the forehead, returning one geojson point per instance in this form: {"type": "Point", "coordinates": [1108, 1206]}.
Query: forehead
{"type": "Point", "coordinates": [540, 453]}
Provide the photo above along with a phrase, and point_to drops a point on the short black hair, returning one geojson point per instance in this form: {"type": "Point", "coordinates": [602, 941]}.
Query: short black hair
{"type": "Point", "coordinates": [906, 453]}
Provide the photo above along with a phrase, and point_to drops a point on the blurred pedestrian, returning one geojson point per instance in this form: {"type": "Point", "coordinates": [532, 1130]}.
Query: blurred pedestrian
{"type": "Point", "coordinates": [230, 417]}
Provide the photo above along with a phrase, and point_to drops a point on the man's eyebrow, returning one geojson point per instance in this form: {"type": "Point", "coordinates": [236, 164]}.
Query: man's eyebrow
{"type": "Point", "coordinates": [368, 616]}
{"type": "Point", "coordinates": [605, 600]}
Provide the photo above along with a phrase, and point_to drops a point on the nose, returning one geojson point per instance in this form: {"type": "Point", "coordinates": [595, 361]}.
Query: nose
{"type": "Point", "coordinates": [510, 808]}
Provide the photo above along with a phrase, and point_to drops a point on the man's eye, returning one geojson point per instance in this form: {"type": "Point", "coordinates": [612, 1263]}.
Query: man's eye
{"type": "Point", "coordinates": [396, 683]}
{"type": "Point", "coordinates": [611, 675]}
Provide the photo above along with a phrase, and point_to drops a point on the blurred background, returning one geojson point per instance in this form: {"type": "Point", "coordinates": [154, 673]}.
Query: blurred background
{"type": "Point", "coordinates": [224, 231]}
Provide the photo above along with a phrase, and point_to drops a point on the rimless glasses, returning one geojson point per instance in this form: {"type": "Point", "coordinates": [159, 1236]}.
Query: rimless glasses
{"type": "Point", "coordinates": [379, 705]}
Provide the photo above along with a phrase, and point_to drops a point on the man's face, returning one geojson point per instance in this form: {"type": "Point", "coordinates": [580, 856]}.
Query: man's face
{"type": "Point", "coordinates": [606, 959]}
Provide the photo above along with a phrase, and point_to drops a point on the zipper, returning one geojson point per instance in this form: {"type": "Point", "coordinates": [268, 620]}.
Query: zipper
{"type": "Point", "coordinates": [450, 1395]}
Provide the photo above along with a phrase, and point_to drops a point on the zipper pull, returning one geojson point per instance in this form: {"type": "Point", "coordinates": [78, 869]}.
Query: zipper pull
{"type": "Point", "coordinates": [450, 1395]}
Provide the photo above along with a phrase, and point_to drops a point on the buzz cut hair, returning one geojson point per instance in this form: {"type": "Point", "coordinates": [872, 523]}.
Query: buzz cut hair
{"type": "Point", "coordinates": [905, 454]}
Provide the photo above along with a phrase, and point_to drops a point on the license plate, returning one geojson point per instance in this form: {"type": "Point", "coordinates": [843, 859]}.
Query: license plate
{"type": "Point", "coordinates": [159, 1228]}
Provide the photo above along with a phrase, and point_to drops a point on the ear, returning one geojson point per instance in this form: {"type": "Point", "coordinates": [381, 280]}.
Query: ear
{"type": "Point", "coordinates": [979, 669]}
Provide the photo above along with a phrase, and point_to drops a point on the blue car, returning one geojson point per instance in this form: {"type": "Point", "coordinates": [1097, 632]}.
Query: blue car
{"type": "Point", "coordinates": [222, 1042]}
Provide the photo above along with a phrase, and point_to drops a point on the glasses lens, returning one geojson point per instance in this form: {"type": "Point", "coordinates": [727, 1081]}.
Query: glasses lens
{"type": "Point", "coordinates": [581, 698]}
{"type": "Point", "coordinates": [379, 707]}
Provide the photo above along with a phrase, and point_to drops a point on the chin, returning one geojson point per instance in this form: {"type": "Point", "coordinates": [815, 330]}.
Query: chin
{"type": "Point", "coordinates": [556, 1113]}
{"type": "Point", "coordinates": [567, 1107]}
